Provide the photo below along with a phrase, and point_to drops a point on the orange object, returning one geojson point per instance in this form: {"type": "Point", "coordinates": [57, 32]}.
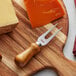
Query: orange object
{"type": "Point", "coordinates": [42, 12]}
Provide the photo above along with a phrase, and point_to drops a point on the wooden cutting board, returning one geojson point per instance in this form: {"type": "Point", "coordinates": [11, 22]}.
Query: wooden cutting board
{"type": "Point", "coordinates": [17, 41]}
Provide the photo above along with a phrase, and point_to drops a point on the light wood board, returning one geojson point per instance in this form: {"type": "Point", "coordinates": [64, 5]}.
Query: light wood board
{"type": "Point", "coordinates": [17, 41]}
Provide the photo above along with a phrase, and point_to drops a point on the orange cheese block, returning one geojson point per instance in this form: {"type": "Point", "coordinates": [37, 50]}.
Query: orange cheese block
{"type": "Point", "coordinates": [42, 12]}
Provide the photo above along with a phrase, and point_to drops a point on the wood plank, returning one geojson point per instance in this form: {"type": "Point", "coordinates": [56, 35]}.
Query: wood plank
{"type": "Point", "coordinates": [12, 49]}
{"type": "Point", "coordinates": [17, 41]}
{"type": "Point", "coordinates": [5, 71]}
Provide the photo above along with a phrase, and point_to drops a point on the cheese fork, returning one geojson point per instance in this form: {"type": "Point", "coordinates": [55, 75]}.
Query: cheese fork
{"type": "Point", "coordinates": [23, 58]}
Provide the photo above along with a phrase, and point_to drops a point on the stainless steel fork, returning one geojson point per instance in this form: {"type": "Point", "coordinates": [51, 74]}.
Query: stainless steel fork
{"type": "Point", "coordinates": [23, 58]}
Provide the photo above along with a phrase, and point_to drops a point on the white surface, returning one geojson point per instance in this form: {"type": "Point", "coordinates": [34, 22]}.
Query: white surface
{"type": "Point", "coordinates": [71, 36]}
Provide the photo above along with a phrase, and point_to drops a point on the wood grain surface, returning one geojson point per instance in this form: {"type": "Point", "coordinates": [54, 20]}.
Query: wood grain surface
{"type": "Point", "coordinates": [17, 41]}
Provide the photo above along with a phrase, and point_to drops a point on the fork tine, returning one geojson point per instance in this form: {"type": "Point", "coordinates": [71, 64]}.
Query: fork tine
{"type": "Point", "coordinates": [49, 30]}
{"type": "Point", "coordinates": [51, 37]}
{"type": "Point", "coordinates": [42, 41]}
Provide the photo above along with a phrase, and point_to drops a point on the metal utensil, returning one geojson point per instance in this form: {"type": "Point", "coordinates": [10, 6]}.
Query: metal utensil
{"type": "Point", "coordinates": [23, 58]}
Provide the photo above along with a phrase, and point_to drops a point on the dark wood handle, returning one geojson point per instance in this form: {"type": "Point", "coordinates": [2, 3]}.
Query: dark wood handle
{"type": "Point", "coordinates": [23, 58]}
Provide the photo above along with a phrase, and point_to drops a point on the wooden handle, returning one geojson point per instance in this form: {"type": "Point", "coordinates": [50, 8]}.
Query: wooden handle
{"type": "Point", "coordinates": [23, 58]}
{"type": "Point", "coordinates": [65, 67]}
{"type": "Point", "coordinates": [62, 65]}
